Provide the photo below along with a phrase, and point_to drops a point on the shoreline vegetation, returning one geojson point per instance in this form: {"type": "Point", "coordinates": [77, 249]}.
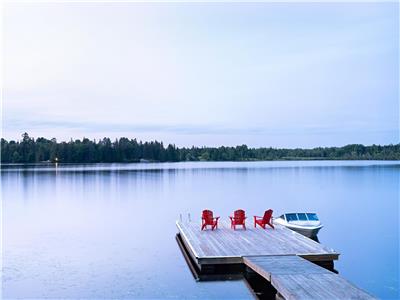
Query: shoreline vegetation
{"type": "Point", "coordinates": [124, 150]}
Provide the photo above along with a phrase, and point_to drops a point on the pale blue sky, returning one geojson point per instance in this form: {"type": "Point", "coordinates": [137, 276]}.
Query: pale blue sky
{"type": "Point", "coordinates": [264, 74]}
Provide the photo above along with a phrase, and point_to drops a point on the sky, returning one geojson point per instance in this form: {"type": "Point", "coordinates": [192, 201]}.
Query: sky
{"type": "Point", "coordinates": [261, 74]}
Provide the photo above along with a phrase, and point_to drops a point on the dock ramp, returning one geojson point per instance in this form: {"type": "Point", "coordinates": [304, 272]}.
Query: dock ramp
{"type": "Point", "coordinates": [296, 278]}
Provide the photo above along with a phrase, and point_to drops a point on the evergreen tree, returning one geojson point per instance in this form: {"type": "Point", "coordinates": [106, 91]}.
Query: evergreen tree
{"type": "Point", "coordinates": [27, 150]}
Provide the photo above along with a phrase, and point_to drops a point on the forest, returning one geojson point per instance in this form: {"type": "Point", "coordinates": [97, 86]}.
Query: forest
{"type": "Point", "coordinates": [30, 150]}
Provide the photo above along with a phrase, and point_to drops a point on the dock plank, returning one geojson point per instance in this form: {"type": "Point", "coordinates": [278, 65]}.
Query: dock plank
{"type": "Point", "coordinates": [297, 278]}
{"type": "Point", "coordinates": [234, 244]}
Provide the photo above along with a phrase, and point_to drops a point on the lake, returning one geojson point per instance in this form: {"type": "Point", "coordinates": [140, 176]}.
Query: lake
{"type": "Point", "coordinates": [108, 230]}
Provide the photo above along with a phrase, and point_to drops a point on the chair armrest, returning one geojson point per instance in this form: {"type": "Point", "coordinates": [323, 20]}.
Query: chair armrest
{"type": "Point", "coordinates": [257, 217]}
{"type": "Point", "coordinates": [233, 218]}
{"type": "Point", "coordinates": [216, 218]}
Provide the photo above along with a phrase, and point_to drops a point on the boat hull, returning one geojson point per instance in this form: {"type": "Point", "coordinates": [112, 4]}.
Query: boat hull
{"type": "Point", "coordinates": [308, 232]}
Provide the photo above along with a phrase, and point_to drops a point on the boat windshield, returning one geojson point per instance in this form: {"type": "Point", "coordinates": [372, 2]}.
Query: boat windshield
{"type": "Point", "coordinates": [291, 217]}
{"type": "Point", "coordinates": [302, 217]}
{"type": "Point", "coordinates": [312, 217]}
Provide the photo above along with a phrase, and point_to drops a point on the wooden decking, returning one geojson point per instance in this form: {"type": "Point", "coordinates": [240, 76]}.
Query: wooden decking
{"type": "Point", "coordinates": [280, 255]}
{"type": "Point", "coordinates": [297, 278]}
{"type": "Point", "coordinates": [229, 246]}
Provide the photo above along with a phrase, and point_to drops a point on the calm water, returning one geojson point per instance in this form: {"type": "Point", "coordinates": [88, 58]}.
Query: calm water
{"type": "Point", "coordinates": [108, 231]}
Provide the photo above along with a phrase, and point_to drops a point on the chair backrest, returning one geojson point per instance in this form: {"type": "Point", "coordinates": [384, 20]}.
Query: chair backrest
{"type": "Point", "coordinates": [207, 215]}
{"type": "Point", "coordinates": [267, 216]}
{"type": "Point", "coordinates": [239, 214]}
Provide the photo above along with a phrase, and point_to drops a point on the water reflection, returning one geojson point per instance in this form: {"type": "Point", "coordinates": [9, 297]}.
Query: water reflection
{"type": "Point", "coordinates": [108, 231]}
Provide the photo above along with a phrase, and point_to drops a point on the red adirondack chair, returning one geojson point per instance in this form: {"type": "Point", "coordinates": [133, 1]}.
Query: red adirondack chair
{"type": "Point", "coordinates": [239, 218]}
{"type": "Point", "coordinates": [262, 221]}
{"type": "Point", "coordinates": [207, 218]}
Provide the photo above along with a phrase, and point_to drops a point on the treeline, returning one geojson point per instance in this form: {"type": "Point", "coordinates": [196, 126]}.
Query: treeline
{"type": "Point", "coordinates": [30, 150]}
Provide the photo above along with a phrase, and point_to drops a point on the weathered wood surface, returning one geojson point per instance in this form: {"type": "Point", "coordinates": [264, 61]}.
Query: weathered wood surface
{"type": "Point", "coordinates": [275, 255]}
{"type": "Point", "coordinates": [225, 245]}
{"type": "Point", "coordinates": [296, 278]}
{"type": "Point", "coordinates": [282, 265]}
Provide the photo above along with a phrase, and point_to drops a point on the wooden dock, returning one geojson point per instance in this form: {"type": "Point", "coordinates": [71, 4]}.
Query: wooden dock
{"type": "Point", "coordinates": [296, 278]}
{"type": "Point", "coordinates": [289, 261]}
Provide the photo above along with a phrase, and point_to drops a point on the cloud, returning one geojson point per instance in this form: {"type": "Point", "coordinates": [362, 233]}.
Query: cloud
{"type": "Point", "coordinates": [226, 73]}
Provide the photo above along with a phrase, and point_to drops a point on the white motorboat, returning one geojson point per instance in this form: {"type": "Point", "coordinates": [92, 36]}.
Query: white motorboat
{"type": "Point", "coordinates": [306, 224]}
